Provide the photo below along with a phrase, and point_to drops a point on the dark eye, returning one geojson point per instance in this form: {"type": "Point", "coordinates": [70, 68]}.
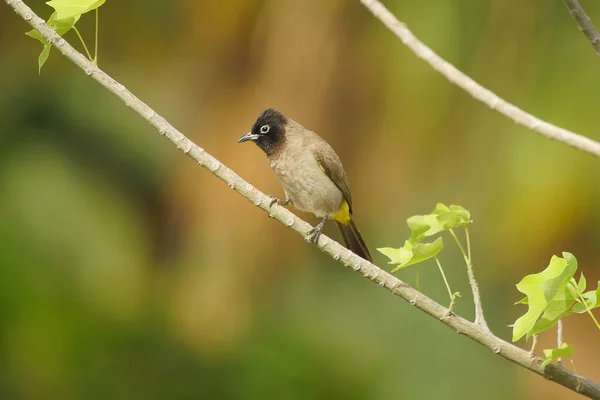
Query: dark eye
{"type": "Point", "coordinates": [264, 129]}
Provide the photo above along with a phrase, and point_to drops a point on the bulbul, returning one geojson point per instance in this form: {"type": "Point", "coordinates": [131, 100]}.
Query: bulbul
{"type": "Point", "coordinates": [311, 173]}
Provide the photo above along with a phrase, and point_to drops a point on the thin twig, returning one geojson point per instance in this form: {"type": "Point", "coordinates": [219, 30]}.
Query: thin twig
{"type": "Point", "coordinates": [482, 94]}
{"type": "Point", "coordinates": [327, 245]}
{"type": "Point", "coordinates": [468, 239]}
{"type": "Point", "coordinates": [533, 345]}
{"type": "Point", "coordinates": [479, 317]}
{"type": "Point", "coordinates": [452, 296]}
{"type": "Point", "coordinates": [96, 40]}
{"type": "Point", "coordinates": [584, 22]}
{"type": "Point", "coordinates": [83, 43]}
{"type": "Point", "coordinates": [559, 339]}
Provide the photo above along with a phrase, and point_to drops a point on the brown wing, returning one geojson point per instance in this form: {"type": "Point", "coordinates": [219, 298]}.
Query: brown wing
{"type": "Point", "coordinates": [332, 167]}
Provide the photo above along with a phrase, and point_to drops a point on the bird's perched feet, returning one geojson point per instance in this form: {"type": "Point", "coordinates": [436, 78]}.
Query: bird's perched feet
{"type": "Point", "coordinates": [275, 200]}
{"type": "Point", "coordinates": [314, 233]}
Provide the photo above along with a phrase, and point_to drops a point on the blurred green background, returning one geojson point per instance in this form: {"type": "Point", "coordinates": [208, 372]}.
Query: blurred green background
{"type": "Point", "coordinates": [128, 272]}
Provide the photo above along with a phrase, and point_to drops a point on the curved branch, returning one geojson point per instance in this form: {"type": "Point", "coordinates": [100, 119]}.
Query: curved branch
{"type": "Point", "coordinates": [482, 94]}
{"type": "Point", "coordinates": [329, 246]}
{"type": "Point", "coordinates": [584, 22]}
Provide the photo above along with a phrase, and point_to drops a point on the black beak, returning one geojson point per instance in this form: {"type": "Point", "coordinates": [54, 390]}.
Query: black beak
{"type": "Point", "coordinates": [248, 136]}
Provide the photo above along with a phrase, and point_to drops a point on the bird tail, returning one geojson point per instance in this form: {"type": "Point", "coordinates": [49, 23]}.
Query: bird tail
{"type": "Point", "coordinates": [354, 240]}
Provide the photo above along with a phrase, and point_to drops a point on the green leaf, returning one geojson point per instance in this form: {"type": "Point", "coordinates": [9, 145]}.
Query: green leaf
{"type": "Point", "coordinates": [422, 226]}
{"type": "Point", "coordinates": [544, 289]}
{"type": "Point", "coordinates": [557, 307]}
{"type": "Point", "coordinates": [61, 27]}
{"type": "Point", "coordinates": [43, 57]}
{"type": "Point", "coordinates": [592, 299]}
{"type": "Point", "coordinates": [440, 219]}
{"type": "Point", "coordinates": [440, 208]}
{"type": "Point", "coordinates": [573, 290]}
{"type": "Point", "coordinates": [565, 350]}
{"type": "Point", "coordinates": [73, 8]}
{"type": "Point", "coordinates": [582, 284]}
{"type": "Point", "coordinates": [464, 214]}
{"type": "Point", "coordinates": [522, 301]}
{"type": "Point", "coordinates": [45, 50]}
{"type": "Point", "coordinates": [411, 254]}
{"type": "Point", "coordinates": [452, 217]}
{"type": "Point", "coordinates": [397, 256]}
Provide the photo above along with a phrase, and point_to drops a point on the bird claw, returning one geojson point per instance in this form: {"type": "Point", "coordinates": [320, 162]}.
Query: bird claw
{"type": "Point", "coordinates": [275, 200]}
{"type": "Point", "coordinates": [313, 235]}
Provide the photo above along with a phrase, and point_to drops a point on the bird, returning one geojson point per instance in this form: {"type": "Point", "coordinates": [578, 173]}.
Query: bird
{"type": "Point", "coordinates": [311, 174]}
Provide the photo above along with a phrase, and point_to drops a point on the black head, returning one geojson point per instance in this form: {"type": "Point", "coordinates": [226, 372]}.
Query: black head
{"type": "Point", "coordinates": [268, 131]}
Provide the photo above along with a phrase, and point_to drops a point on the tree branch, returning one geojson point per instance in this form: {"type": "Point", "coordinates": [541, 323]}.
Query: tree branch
{"type": "Point", "coordinates": [584, 23]}
{"type": "Point", "coordinates": [476, 90]}
{"type": "Point", "coordinates": [331, 247]}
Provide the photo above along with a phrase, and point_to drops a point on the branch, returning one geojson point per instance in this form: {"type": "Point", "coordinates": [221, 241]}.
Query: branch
{"type": "Point", "coordinates": [331, 247]}
{"type": "Point", "coordinates": [476, 90]}
{"type": "Point", "coordinates": [479, 317]}
{"type": "Point", "coordinates": [584, 23]}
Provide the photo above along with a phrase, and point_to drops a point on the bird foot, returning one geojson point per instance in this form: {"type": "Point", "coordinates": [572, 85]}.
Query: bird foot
{"type": "Point", "coordinates": [275, 200]}
{"type": "Point", "coordinates": [313, 235]}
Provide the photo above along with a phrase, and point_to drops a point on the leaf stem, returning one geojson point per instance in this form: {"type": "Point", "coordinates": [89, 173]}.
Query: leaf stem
{"type": "Point", "coordinates": [532, 351]}
{"type": "Point", "coordinates": [95, 61]}
{"type": "Point", "coordinates": [83, 43]}
{"type": "Point", "coordinates": [468, 243]}
{"type": "Point", "coordinates": [444, 276]}
{"type": "Point", "coordinates": [418, 278]}
{"type": "Point", "coordinates": [452, 295]}
{"type": "Point", "coordinates": [460, 246]}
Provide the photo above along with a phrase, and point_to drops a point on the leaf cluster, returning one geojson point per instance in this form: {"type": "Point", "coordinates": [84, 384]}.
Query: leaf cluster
{"type": "Point", "coordinates": [62, 20]}
{"type": "Point", "coordinates": [551, 295]}
{"type": "Point", "coordinates": [414, 251]}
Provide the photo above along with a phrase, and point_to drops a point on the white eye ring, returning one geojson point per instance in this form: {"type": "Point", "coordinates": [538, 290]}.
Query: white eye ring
{"type": "Point", "coordinates": [265, 129]}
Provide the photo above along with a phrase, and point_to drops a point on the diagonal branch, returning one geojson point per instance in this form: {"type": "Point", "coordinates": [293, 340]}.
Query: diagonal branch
{"type": "Point", "coordinates": [584, 23]}
{"type": "Point", "coordinates": [331, 247]}
{"type": "Point", "coordinates": [482, 94]}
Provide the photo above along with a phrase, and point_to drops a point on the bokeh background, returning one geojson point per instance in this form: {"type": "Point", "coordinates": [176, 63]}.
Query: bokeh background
{"type": "Point", "coordinates": [128, 272]}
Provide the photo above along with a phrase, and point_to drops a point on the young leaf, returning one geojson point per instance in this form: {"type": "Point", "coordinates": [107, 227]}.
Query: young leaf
{"type": "Point", "coordinates": [412, 254]}
{"type": "Point", "coordinates": [452, 217]}
{"type": "Point", "coordinates": [397, 256]}
{"type": "Point", "coordinates": [565, 350]}
{"type": "Point", "coordinates": [592, 299]}
{"type": "Point", "coordinates": [440, 219]}
{"type": "Point", "coordinates": [422, 226]}
{"type": "Point", "coordinates": [557, 307]}
{"type": "Point", "coordinates": [61, 27]}
{"type": "Point", "coordinates": [522, 301]}
{"type": "Point", "coordinates": [43, 57]}
{"type": "Point", "coordinates": [572, 288]}
{"type": "Point", "coordinates": [582, 284]}
{"type": "Point", "coordinates": [73, 8]}
{"type": "Point", "coordinates": [542, 289]}
{"type": "Point", "coordinates": [462, 212]}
